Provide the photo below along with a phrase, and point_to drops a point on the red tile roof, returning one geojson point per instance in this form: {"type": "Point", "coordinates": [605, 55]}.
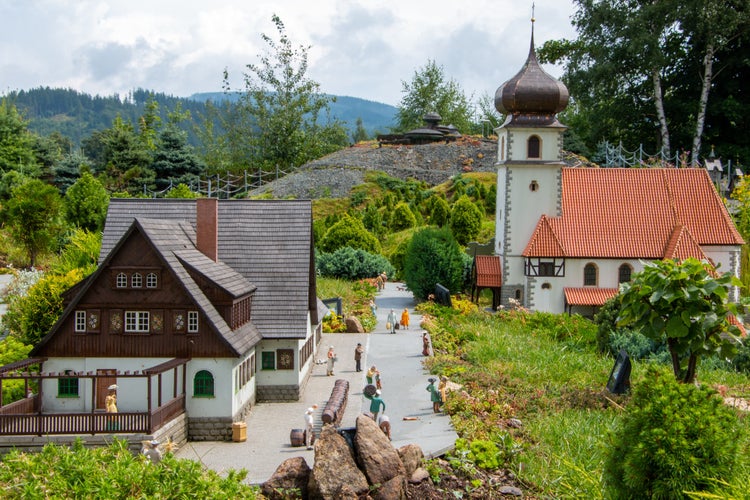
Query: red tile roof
{"type": "Point", "coordinates": [489, 271]}
{"type": "Point", "coordinates": [634, 213]}
{"type": "Point", "coordinates": [588, 296]}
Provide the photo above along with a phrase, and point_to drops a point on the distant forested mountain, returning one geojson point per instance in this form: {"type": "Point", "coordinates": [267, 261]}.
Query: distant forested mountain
{"type": "Point", "coordinates": [376, 117]}
{"type": "Point", "coordinates": [77, 115]}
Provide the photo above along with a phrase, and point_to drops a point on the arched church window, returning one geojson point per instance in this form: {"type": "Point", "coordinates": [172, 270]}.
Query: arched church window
{"type": "Point", "coordinates": [623, 274]}
{"type": "Point", "coordinates": [589, 275]}
{"type": "Point", "coordinates": [534, 186]}
{"type": "Point", "coordinates": [534, 147]}
{"type": "Point", "coordinates": [502, 148]}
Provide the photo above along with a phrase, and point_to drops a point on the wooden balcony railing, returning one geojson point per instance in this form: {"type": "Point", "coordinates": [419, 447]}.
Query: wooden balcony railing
{"type": "Point", "coordinates": [16, 424]}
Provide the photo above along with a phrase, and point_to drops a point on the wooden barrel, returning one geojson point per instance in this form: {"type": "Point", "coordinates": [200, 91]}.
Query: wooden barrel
{"type": "Point", "coordinates": [369, 391]}
{"type": "Point", "coordinates": [297, 437]}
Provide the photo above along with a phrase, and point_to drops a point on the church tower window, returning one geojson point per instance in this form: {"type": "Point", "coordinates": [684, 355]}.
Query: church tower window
{"type": "Point", "coordinates": [534, 147]}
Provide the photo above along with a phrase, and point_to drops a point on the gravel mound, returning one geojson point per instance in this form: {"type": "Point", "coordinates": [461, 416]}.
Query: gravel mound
{"type": "Point", "coordinates": [334, 176]}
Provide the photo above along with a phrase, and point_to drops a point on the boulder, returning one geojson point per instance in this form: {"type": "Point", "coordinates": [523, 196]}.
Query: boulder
{"type": "Point", "coordinates": [394, 489]}
{"type": "Point", "coordinates": [411, 456]}
{"type": "Point", "coordinates": [377, 457]}
{"type": "Point", "coordinates": [353, 325]}
{"type": "Point", "coordinates": [293, 473]}
{"type": "Point", "coordinates": [334, 468]}
{"type": "Point", "coordinates": [419, 475]}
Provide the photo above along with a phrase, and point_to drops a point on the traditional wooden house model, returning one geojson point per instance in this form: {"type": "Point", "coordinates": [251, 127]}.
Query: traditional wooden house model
{"type": "Point", "coordinates": [198, 308]}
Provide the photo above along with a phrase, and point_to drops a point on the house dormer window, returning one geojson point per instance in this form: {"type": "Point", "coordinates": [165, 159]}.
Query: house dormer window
{"type": "Point", "coordinates": [136, 321]}
{"type": "Point", "coordinates": [136, 281]}
{"type": "Point", "coordinates": [122, 280]}
{"type": "Point", "coordinates": [152, 281]}
{"type": "Point", "coordinates": [534, 147]}
{"type": "Point", "coordinates": [590, 275]}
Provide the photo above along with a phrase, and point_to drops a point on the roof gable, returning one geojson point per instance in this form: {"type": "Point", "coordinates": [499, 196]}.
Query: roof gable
{"type": "Point", "coordinates": [634, 213]}
{"type": "Point", "coordinates": [268, 242]}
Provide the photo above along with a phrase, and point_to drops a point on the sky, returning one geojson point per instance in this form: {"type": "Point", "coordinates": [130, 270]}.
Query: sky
{"type": "Point", "coordinates": [358, 48]}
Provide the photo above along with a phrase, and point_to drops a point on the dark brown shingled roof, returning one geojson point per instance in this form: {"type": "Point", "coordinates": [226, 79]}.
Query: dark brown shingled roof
{"type": "Point", "coordinates": [269, 242]}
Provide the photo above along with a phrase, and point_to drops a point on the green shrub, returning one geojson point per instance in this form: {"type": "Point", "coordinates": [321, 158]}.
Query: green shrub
{"type": "Point", "coordinates": [741, 361]}
{"type": "Point", "coordinates": [440, 212]}
{"type": "Point", "coordinates": [31, 316]}
{"type": "Point", "coordinates": [433, 257]}
{"type": "Point", "coordinates": [349, 232]}
{"type": "Point", "coordinates": [465, 220]}
{"type": "Point", "coordinates": [113, 472]}
{"type": "Point", "coordinates": [674, 438]}
{"type": "Point", "coordinates": [402, 217]}
{"type": "Point", "coordinates": [352, 264]}
{"type": "Point", "coordinates": [610, 338]}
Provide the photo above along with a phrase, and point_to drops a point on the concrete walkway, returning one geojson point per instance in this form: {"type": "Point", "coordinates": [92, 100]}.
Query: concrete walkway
{"type": "Point", "coordinates": [399, 359]}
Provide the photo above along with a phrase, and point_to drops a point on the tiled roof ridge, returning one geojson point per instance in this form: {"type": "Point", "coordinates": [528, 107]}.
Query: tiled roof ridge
{"type": "Point", "coordinates": [671, 198]}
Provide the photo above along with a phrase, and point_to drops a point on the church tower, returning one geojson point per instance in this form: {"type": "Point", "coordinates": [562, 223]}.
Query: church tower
{"type": "Point", "coordinates": [529, 165]}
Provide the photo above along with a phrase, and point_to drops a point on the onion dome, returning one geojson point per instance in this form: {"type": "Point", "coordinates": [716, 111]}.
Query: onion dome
{"type": "Point", "coordinates": [532, 96]}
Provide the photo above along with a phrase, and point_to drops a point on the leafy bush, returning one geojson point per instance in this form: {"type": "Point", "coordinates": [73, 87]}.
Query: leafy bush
{"type": "Point", "coordinates": [11, 350]}
{"type": "Point", "coordinates": [30, 316]}
{"type": "Point", "coordinates": [741, 361]}
{"type": "Point", "coordinates": [465, 220]}
{"type": "Point", "coordinates": [80, 251]}
{"type": "Point", "coordinates": [674, 438]}
{"type": "Point", "coordinates": [86, 203]}
{"type": "Point", "coordinates": [352, 264]}
{"type": "Point", "coordinates": [433, 256]}
{"type": "Point", "coordinates": [440, 212]}
{"type": "Point", "coordinates": [402, 217]}
{"type": "Point", "coordinates": [349, 232]}
{"type": "Point", "coordinates": [113, 472]}
{"type": "Point", "coordinates": [610, 338]}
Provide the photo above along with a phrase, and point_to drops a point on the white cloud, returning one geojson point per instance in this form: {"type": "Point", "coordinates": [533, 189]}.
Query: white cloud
{"type": "Point", "coordinates": [361, 48]}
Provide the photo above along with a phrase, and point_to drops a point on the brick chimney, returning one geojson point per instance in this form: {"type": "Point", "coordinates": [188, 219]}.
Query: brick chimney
{"type": "Point", "coordinates": [207, 227]}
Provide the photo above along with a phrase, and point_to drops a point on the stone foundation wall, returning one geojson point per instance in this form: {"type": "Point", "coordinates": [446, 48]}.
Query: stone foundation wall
{"type": "Point", "coordinates": [209, 429]}
{"type": "Point", "coordinates": [278, 393]}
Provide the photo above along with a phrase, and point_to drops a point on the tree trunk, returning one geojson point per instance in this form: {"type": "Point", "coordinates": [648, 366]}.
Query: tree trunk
{"type": "Point", "coordinates": [672, 345]}
{"type": "Point", "coordinates": [708, 64]}
{"type": "Point", "coordinates": [689, 377]}
{"type": "Point", "coordinates": [659, 104]}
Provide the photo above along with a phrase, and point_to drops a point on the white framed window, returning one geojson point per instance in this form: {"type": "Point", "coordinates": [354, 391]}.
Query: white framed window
{"type": "Point", "coordinates": [122, 280]}
{"type": "Point", "coordinates": [136, 321]}
{"type": "Point", "coordinates": [136, 281]}
{"type": "Point", "coordinates": [80, 325]}
{"type": "Point", "coordinates": [192, 321]}
{"type": "Point", "coordinates": [151, 280]}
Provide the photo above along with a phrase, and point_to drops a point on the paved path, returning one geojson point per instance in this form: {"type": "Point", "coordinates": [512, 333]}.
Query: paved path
{"type": "Point", "coordinates": [399, 359]}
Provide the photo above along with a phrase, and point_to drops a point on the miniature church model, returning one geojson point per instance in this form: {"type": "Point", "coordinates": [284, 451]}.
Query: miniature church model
{"type": "Point", "coordinates": [567, 237]}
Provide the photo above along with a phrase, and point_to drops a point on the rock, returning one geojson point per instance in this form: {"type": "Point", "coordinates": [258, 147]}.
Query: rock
{"type": "Point", "coordinates": [293, 473]}
{"type": "Point", "coordinates": [334, 467]}
{"type": "Point", "coordinates": [515, 423]}
{"type": "Point", "coordinates": [378, 459]}
{"type": "Point", "coordinates": [353, 325]}
{"type": "Point", "coordinates": [411, 456]}
{"type": "Point", "coordinates": [511, 490]}
{"type": "Point", "coordinates": [419, 475]}
{"type": "Point", "coordinates": [394, 489]}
